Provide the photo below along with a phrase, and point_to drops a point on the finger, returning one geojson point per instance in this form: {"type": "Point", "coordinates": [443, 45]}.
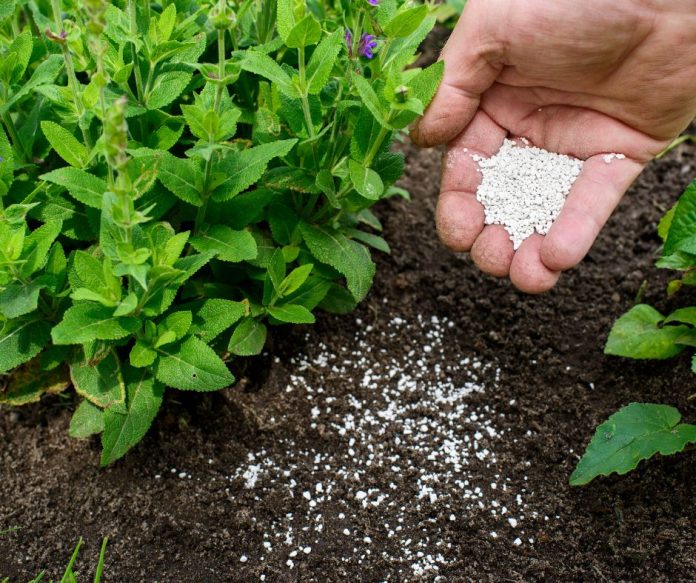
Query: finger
{"type": "Point", "coordinates": [589, 205]}
{"type": "Point", "coordinates": [561, 122]}
{"type": "Point", "coordinates": [459, 216]}
{"type": "Point", "coordinates": [527, 271]}
{"type": "Point", "coordinates": [471, 59]}
{"type": "Point", "coordinates": [492, 251]}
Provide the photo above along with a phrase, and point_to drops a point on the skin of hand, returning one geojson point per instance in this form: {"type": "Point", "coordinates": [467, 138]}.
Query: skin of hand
{"type": "Point", "coordinates": [579, 78]}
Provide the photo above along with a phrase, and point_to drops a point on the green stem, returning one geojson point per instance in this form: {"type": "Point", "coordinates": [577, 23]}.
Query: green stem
{"type": "Point", "coordinates": [303, 87]}
{"type": "Point", "coordinates": [14, 136]}
{"type": "Point", "coordinates": [136, 65]}
{"type": "Point", "coordinates": [70, 72]}
{"type": "Point", "coordinates": [376, 145]}
{"type": "Point", "coordinates": [221, 70]}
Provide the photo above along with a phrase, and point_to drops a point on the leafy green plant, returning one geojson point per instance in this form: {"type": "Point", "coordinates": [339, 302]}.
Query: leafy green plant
{"type": "Point", "coordinates": [69, 575]}
{"type": "Point", "coordinates": [639, 431]}
{"type": "Point", "coordinates": [175, 176]}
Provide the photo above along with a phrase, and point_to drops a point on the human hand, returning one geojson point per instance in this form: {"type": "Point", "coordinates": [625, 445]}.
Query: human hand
{"type": "Point", "coordinates": [578, 78]}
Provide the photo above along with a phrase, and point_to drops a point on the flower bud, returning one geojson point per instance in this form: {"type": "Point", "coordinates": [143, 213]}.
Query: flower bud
{"type": "Point", "coordinates": [116, 134]}
{"type": "Point", "coordinates": [401, 93]}
{"type": "Point", "coordinates": [222, 17]}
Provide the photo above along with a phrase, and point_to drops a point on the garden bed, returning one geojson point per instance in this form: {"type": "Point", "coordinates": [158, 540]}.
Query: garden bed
{"type": "Point", "coordinates": [297, 472]}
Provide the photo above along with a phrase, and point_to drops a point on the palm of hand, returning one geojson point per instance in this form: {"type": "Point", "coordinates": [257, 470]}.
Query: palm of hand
{"type": "Point", "coordinates": [580, 79]}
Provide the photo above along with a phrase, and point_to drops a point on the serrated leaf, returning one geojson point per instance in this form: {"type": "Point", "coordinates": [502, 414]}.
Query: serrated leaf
{"type": "Point", "coordinates": [6, 9]}
{"type": "Point", "coordinates": [291, 314]}
{"type": "Point", "coordinates": [239, 170]}
{"type": "Point", "coordinates": [45, 73]}
{"type": "Point", "coordinates": [6, 163]}
{"type": "Point", "coordinates": [248, 338]}
{"type": "Point", "coordinates": [167, 87]}
{"type": "Point", "coordinates": [192, 366]}
{"type": "Point", "coordinates": [21, 340]}
{"type": "Point", "coordinates": [406, 22]}
{"type": "Point", "coordinates": [305, 33]}
{"type": "Point", "coordinates": [349, 258]}
{"type": "Point", "coordinates": [180, 176]}
{"type": "Point", "coordinates": [65, 144]}
{"type": "Point", "coordinates": [37, 246]}
{"type": "Point", "coordinates": [295, 279]}
{"type": "Point", "coordinates": [83, 186]}
{"type": "Point", "coordinates": [88, 321]}
{"type": "Point", "coordinates": [226, 244]}
{"type": "Point", "coordinates": [124, 430]}
{"type": "Point", "coordinates": [322, 61]}
{"type": "Point", "coordinates": [142, 355]}
{"type": "Point", "coordinates": [285, 19]}
{"type": "Point", "coordinates": [19, 51]}
{"type": "Point", "coordinates": [263, 65]}
{"type": "Point", "coordinates": [87, 420]}
{"type": "Point", "coordinates": [365, 180]}
{"type": "Point", "coordinates": [28, 383]}
{"type": "Point", "coordinates": [635, 433]}
{"type": "Point", "coordinates": [370, 99]}
{"type": "Point", "coordinates": [215, 316]}
{"type": "Point", "coordinates": [102, 383]}
{"type": "Point", "coordinates": [18, 298]}
{"type": "Point", "coordinates": [639, 333]}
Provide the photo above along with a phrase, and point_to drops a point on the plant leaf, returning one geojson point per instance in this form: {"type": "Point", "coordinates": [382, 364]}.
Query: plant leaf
{"type": "Point", "coordinates": [83, 186]}
{"type": "Point", "coordinates": [265, 66]}
{"type": "Point", "coordinates": [305, 33]}
{"type": "Point", "coordinates": [365, 180]}
{"type": "Point", "coordinates": [215, 316]}
{"type": "Point", "coordinates": [18, 299]}
{"type": "Point", "coordinates": [192, 366]}
{"type": "Point", "coordinates": [349, 258]}
{"type": "Point", "coordinates": [65, 144]}
{"type": "Point", "coordinates": [101, 383]}
{"type": "Point", "coordinates": [322, 61]}
{"type": "Point", "coordinates": [248, 338]}
{"type": "Point", "coordinates": [683, 221]}
{"type": "Point", "coordinates": [124, 430]}
{"type": "Point", "coordinates": [226, 244]}
{"type": "Point", "coordinates": [85, 322]}
{"type": "Point", "coordinates": [634, 433]}
{"type": "Point", "coordinates": [292, 314]}
{"type": "Point", "coordinates": [21, 340]}
{"type": "Point", "coordinates": [87, 420]}
{"type": "Point", "coordinates": [167, 87]}
{"type": "Point", "coordinates": [28, 383]}
{"type": "Point", "coordinates": [639, 334]}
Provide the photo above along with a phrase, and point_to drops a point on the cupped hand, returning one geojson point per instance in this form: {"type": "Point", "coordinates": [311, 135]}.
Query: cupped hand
{"type": "Point", "coordinates": [579, 78]}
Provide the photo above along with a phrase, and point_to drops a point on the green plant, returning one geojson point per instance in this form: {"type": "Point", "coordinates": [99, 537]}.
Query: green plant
{"type": "Point", "coordinates": [639, 431]}
{"type": "Point", "coordinates": [69, 575]}
{"type": "Point", "coordinates": [177, 175]}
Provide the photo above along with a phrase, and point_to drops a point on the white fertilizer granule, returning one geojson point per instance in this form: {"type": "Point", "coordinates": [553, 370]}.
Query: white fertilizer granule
{"type": "Point", "coordinates": [523, 188]}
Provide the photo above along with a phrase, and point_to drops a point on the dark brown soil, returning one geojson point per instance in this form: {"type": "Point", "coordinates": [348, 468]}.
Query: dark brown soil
{"type": "Point", "coordinates": [555, 385]}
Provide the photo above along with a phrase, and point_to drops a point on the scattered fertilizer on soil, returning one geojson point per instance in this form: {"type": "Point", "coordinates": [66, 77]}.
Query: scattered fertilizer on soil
{"type": "Point", "coordinates": [411, 443]}
{"type": "Point", "coordinates": [523, 188]}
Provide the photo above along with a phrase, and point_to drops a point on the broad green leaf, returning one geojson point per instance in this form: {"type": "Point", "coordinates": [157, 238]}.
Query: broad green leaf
{"type": "Point", "coordinates": [635, 433]}
{"type": "Point", "coordinates": [263, 65]}
{"type": "Point", "coordinates": [18, 55]}
{"type": "Point", "coordinates": [406, 22]}
{"type": "Point", "coordinates": [21, 340]}
{"type": "Point", "coordinates": [285, 20]}
{"type": "Point", "coordinates": [349, 258]}
{"type": "Point", "coordinates": [6, 163]}
{"type": "Point", "coordinates": [6, 9]}
{"type": "Point", "coordinates": [683, 315]}
{"type": "Point", "coordinates": [295, 279]}
{"type": "Point", "coordinates": [124, 430]}
{"type": "Point", "coordinates": [665, 223]}
{"type": "Point", "coordinates": [370, 99]}
{"type": "Point", "coordinates": [83, 186]}
{"type": "Point", "coordinates": [28, 383]}
{"type": "Point", "coordinates": [374, 241]}
{"type": "Point", "coordinates": [683, 221]}
{"type": "Point", "coordinates": [177, 322]}
{"type": "Point", "coordinates": [18, 299]}
{"type": "Point", "coordinates": [338, 300]}
{"type": "Point", "coordinates": [192, 366]}
{"type": "Point", "coordinates": [102, 383]}
{"type": "Point", "coordinates": [87, 420]}
{"type": "Point", "coordinates": [248, 338]}
{"type": "Point", "coordinates": [305, 33]}
{"type": "Point", "coordinates": [167, 87]}
{"type": "Point", "coordinates": [322, 61]}
{"type": "Point", "coordinates": [45, 73]}
{"type": "Point", "coordinates": [142, 355]}
{"type": "Point", "coordinates": [180, 176]}
{"type": "Point", "coordinates": [87, 321]}
{"type": "Point", "coordinates": [365, 180]}
{"type": "Point", "coordinates": [226, 244]}
{"type": "Point", "coordinates": [37, 246]}
{"type": "Point", "coordinates": [639, 333]}
{"type": "Point", "coordinates": [65, 144]}
{"type": "Point", "coordinates": [292, 314]}
{"type": "Point", "coordinates": [239, 170]}
{"type": "Point", "coordinates": [215, 316]}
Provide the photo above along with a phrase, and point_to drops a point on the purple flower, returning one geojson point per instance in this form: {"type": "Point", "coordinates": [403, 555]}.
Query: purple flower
{"type": "Point", "coordinates": [349, 42]}
{"type": "Point", "coordinates": [373, 2]}
{"type": "Point", "coordinates": [367, 45]}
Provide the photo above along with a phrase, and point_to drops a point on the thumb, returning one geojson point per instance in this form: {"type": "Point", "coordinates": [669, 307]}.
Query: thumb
{"type": "Point", "coordinates": [473, 61]}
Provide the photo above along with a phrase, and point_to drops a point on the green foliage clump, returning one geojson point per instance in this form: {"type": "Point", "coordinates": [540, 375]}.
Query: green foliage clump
{"type": "Point", "coordinates": [176, 176]}
{"type": "Point", "coordinates": [641, 430]}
